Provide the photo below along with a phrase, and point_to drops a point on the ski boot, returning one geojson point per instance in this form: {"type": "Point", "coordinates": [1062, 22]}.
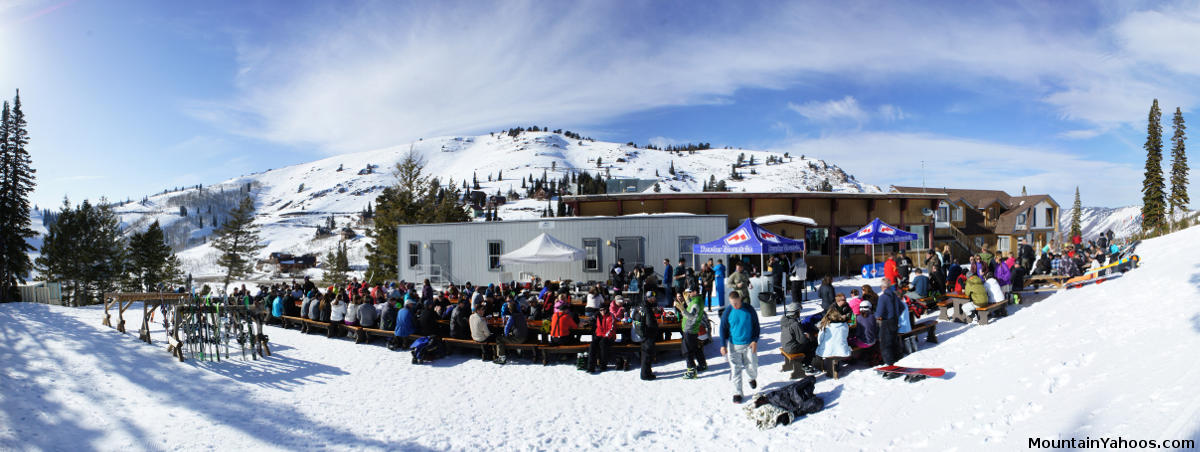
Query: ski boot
{"type": "Point", "coordinates": [891, 375]}
{"type": "Point", "coordinates": [913, 378]}
{"type": "Point", "coordinates": [690, 374]}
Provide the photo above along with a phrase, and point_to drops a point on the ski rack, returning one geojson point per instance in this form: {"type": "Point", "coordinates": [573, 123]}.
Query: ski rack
{"type": "Point", "coordinates": [197, 326]}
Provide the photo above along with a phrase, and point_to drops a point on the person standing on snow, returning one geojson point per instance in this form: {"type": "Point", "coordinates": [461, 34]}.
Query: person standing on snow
{"type": "Point", "coordinates": [888, 314]}
{"type": "Point", "coordinates": [739, 342]}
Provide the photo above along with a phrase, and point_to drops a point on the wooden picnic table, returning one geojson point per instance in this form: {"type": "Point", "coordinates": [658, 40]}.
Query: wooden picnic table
{"type": "Point", "coordinates": [958, 300]}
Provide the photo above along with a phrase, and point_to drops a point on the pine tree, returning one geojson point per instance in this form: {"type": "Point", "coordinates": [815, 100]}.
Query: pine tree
{"type": "Point", "coordinates": [598, 162]}
{"type": "Point", "coordinates": [414, 198]}
{"type": "Point", "coordinates": [1077, 211]}
{"type": "Point", "coordinates": [337, 266]}
{"type": "Point", "coordinates": [474, 181]}
{"type": "Point", "coordinates": [1153, 187]}
{"type": "Point", "coordinates": [151, 261]}
{"type": "Point", "coordinates": [671, 170]}
{"type": "Point", "coordinates": [16, 184]}
{"type": "Point", "coordinates": [1179, 167]}
{"type": "Point", "coordinates": [84, 251]}
{"type": "Point", "coordinates": [238, 242]}
{"type": "Point", "coordinates": [500, 175]}
{"type": "Point", "coordinates": [562, 209]}
{"type": "Point", "coordinates": [657, 188]}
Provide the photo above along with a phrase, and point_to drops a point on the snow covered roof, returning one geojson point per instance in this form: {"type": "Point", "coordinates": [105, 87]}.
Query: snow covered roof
{"type": "Point", "coordinates": [768, 219]}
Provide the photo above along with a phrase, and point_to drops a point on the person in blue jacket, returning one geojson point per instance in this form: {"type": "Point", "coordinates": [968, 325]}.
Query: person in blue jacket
{"type": "Point", "coordinates": [277, 307]}
{"type": "Point", "coordinates": [920, 284]}
{"type": "Point", "coordinates": [887, 315]}
{"type": "Point", "coordinates": [719, 279]}
{"type": "Point", "coordinates": [668, 279]}
{"type": "Point", "coordinates": [404, 323]}
{"type": "Point", "coordinates": [739, 342]}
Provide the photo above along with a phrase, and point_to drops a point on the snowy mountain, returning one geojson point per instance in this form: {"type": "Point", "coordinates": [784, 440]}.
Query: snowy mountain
{"type": "Point", "coordinates": [294, 201]}
{"type": "Point", "coordinates": [1123, 221]}
{"type": "Point", "coordinates": [1085, 363]}
{"type": "Point", "coordinates": [1093, 221]}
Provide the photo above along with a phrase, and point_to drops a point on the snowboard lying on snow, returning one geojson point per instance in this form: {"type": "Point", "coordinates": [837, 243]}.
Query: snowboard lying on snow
{"type": "Point", "coordinates": [912, 374]}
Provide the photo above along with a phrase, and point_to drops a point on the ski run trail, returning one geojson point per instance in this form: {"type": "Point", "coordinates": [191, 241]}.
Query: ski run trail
{"type": "Point", "coordinates": [1116, 359]}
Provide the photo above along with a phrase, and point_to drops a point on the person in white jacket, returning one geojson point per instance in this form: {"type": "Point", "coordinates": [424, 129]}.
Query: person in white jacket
{"type": "Point", "coordinates": [995, 293]}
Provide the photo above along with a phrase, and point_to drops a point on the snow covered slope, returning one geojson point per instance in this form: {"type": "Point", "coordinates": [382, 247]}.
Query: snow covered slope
{"type": "Point", "coordinates": [1122, 221]}
{"type": "Point", "coordinates": [1106, 361]}
{"type": "Point", "coordinates": [293, 201]}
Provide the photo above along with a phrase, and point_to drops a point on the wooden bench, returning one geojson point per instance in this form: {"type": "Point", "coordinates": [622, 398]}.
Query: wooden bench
{"type": "Point", "coordinates": [791, 363]}
{"type": "Point", "coordinates": [983, 314]}
{"type": "Point", "coordinates": [944, 309]}
{"type": "Point", "coordinates": [289, 321]}
{"type": "Point", "coordinates": [929, 327]}
{"type": "Point", "coordinates": [659, 347]}
{"type": "Point", "coordinates": [864, 354]}
{"type": "Point", "coordinates": [548, 350]}
{"type": "Point", "coordinates": [468, 344]}
{"type": "Point", "coordinates": [364, 335]}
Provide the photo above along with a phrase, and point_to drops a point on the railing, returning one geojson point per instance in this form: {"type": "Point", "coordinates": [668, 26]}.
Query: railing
{"type": "Point", "coordinates": [436, 274]}
{"type": "Point", "coordinates": [962, 239]}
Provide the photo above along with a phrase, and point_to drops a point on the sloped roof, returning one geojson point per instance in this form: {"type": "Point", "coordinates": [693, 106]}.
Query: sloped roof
{"type": "Point", "coordinates": [1006, 223]}
{"type": "Point", "coordinates": [977, 198]}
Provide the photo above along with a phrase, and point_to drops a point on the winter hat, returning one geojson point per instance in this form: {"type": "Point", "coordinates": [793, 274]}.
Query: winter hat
{"type": "Point", "coordinates": [650, 295]}
{"type": "Point", "coordinates": [864, 306]}
{"type": "Point", "coordinates": [794, 307]}
{"type": "Point", "coordinates": [560, 306]}
{"type": "Point", "coordinates": [619, 300]}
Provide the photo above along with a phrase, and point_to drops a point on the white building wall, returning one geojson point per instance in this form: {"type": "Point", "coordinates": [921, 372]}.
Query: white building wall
{"type": "Point", "coordinates": [469, 241]}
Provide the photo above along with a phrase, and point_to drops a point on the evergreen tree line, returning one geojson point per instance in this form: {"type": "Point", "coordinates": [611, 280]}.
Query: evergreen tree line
{"type": "Point", "coordinates": [16, 183]}
{"type": "Point", "coordinates": [516, 131]}
{"type": "Point", "coordinates": [688, 148]}
{"type": "Point", "coordinates": [85, 251]}
{"type": "Point", "coordinates": [1158, 205]}
{"type": "Point", "coordinates": [337, 265]}
{"type": "Point", "coordinates": [414, 198]}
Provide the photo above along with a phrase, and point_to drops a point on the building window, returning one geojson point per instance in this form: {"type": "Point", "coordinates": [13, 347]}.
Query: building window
{"type": "Point", "coordinates": [414, 254]}
{"type": "Point", "coordinates": [1021, 220]}
{"type": "Point", "coordinates": [1002, 244]}
{"type": "Point", "coordinates": [958, 213]}
{"type": "Point", "coordinates": [979, 242]}
{"type": "Point", "coordinates": [1049, 216]}
{"type": "Point", "coordinates": [494, 249]}
{"type": "Point", "coordinates": [815, 240]}
{"type": "Point", "coordinates": [943, 213]}
{"type": "Point", "coordinates": [1033, 219]}
{"type": "Point", "coordinates": [685, 249]}
{"type": "Point", "coordinates": [632, 250]}
{"type": "Point", "coordinates": [922, 242]}
{"type": "Point", "coordinates": [591, 261]}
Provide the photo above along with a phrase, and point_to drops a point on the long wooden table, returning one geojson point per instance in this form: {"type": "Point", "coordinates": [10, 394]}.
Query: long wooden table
{"type": "Point", "coordinates": [1058, 281]}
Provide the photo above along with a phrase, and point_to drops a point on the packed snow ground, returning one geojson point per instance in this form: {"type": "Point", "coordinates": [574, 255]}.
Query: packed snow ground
{"type": "Point", "coordinates": [1114, 359]}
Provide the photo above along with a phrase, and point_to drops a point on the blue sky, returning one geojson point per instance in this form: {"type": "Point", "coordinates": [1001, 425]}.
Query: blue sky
{"type": "Point", "coordinates": [127, 98]}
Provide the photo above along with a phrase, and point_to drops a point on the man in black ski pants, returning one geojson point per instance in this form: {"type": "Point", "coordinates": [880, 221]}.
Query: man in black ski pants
{"type": "Point", "coordinates": [645, 316]}
{"type": "Point", "coordinates": [887, 316]}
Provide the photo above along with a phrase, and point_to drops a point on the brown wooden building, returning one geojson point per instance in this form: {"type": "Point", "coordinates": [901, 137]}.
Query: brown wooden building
{"type": "Point", "coordinates": [836, 215]}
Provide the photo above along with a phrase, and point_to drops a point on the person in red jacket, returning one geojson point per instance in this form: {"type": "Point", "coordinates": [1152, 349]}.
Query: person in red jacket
{"type": "Point", "coordinates": [561, 324]}
{"type": "Point", "coordinates": [602, 340]}
{"type": "Point", "coordinates": [889, 268]}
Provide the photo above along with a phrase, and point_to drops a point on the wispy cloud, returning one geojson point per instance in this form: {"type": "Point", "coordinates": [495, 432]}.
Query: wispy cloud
{"type": "Point", "coordinates": [832, 110]}
{"type": "Point", "coordinates": [378, 74]}
{"type": "Point", "coordinates": [895, 158]}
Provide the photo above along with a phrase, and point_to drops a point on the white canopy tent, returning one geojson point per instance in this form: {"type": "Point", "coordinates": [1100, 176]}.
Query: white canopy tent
{"type": "Point", "coordinates": [543, 248]}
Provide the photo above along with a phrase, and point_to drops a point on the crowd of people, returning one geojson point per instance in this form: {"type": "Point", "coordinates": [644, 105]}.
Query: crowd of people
{"type": "Point", "coordinates": [860, 319]}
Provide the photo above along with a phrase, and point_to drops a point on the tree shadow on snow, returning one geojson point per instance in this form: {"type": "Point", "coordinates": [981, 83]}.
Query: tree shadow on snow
{"type": "Point", "coordinates": [273, 420]}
